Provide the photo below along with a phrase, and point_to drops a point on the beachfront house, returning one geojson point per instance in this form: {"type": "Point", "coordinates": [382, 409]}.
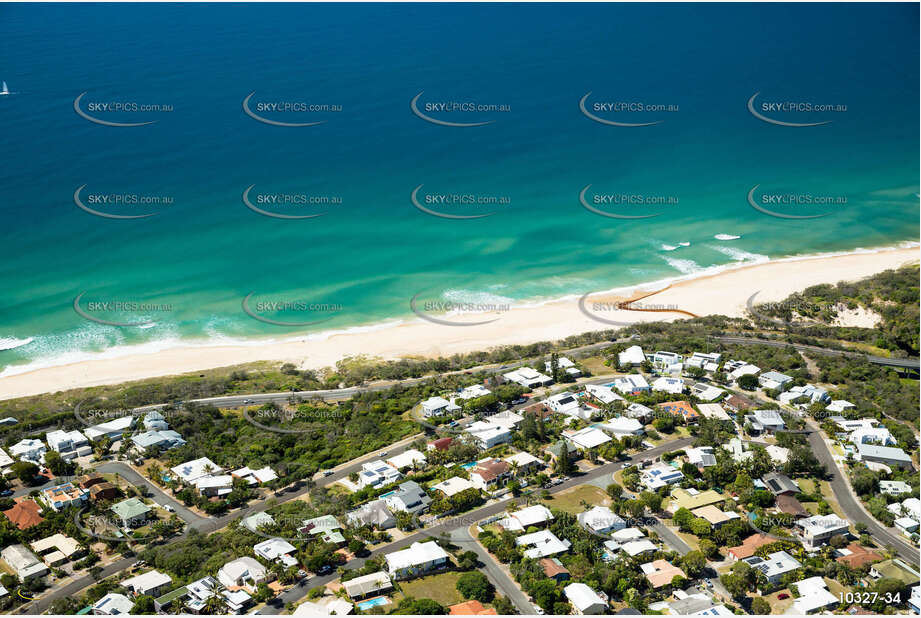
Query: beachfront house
{"type": "Point", "coordinates": [631, 356]}
{"type": "Point", "coordinates": [528, 378]}
{"type": "Point", "coordinates": [377, 473]}
{"type": "Point", "coordinates": [69, 444]}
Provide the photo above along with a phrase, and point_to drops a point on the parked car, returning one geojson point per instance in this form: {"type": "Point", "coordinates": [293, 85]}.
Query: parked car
{"type": "Point", "coordinates": [168, 508]}
{"type": "Point", "coordinates": [6, 492]}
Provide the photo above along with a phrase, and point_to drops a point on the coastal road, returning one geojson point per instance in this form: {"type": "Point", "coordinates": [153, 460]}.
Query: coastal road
{"type": "Point", "coordinates": [465, 520]}
{"type": "Point", "coordinates": [850, 504]}
{"type": "Point", "coordinates": [906, 363]}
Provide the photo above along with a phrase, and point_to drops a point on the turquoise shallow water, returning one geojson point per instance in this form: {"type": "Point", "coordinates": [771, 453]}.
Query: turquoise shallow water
{"type": "Point", "coordinates": [205, 251]}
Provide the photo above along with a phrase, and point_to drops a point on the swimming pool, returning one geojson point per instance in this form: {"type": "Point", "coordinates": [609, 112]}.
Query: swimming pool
{"type": "Point", "coordinates": [468, 465]}
{"type": "Point", "coordinates": [388, 494]}
{"type": "Point", "coordinates": [369, 603]}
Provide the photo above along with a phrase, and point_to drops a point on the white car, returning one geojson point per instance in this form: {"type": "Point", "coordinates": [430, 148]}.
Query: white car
{"type": "Point", "coordinates": [169, 509]}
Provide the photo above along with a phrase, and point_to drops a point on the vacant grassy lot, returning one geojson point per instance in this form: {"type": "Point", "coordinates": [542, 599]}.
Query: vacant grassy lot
{"type": "Point", "coordinates": [780, 606]}
{"type": "Point", "coordinates": [441, 588]}
{"type": "Point", "coordinates": [571, 499]}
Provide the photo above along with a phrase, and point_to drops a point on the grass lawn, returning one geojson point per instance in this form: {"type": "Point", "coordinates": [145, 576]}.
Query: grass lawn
{"type": "Point", "coordinates": [835, 587]}
{"type": "Point", "coordinates": [596, 366]}
{"type": "Point", "coordinates": [692, 541]}
{"type": "Point", "coordinates": [570, 500]}
{"type": "Point", "coordinates": [441, 588]}
{"type": "Point", "coordinates": [829, 496]}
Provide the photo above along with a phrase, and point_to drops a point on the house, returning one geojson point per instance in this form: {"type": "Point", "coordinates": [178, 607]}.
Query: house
{"type": "Point", "coordinates": [839, 406]}
{"type": "Point", "coordinates": [895, 568]}
{"type": "Point", "coordinates": [453, 485]}
{"type": "Point", "coordinates": [775, 566]}
{"type": "Point", "coordinates": [5, 460]}
{"type": "Point", "coordinates": [638, 547]}
{"type": "Point", "coordinates": [507, 418]}
{"type": "Point", "coordinates": [564, 364]}
{"type": "Point", "coordinates": [707, 361]}
{"type": "Point", "coordinates": [441, 444]}
{"type": "Point", "coordinates": [872, 435]}
{"type": "Point", "coordinates": [765, 421]}
{"type": "Point", "coordinates": [196, 596]}
{"type": "Point", "coordinates": [410, 458]}
{"type": "Point", "coordinates": [816, 530]}
{"type": "Point", "coordinates": [528, 378]}
{"type": "Point", "coordinates": [522, 519]}
{"type": "Point", "coordinates": [737, 369]}
{"type": "Point", "coordinates": [490, 474]}
{"type": "Point", "coordinates": [131, 512]}
{"type": "Point", "coordinates": [324, 606]}
{"type": "Point", "coordinates": [856, 555]}
{"type": "Point", "coordinates": [906, 525]}
{"type": "Point", "coordinates": [563, 403]}
{"type": "Point", "coordinates": [587, 438]}
{"type": "Point", "coordinates": [163, 439]}
{"type": "Point", "coordinates": [681, 409]}
{"type": "Point", "coordinates": [691, 499]}
{"type": "Point", "coordinates": [524, 464]}
{"type": "Point", "coordinates": [773, 380]}
{"type": "Point", "coordinates": [714, 515]}
{"type": "Point", "coordinates": [813, 595]}
{"type": "Point", "coordinates": [25, 514]}
{"type": "Point", "coordinates": [470, 608]}
{"type": "Point", "coordinates": [325, 526]}
{"type": "Point", "coordinates": [435, 406]}
{"type": "Point", "coordinates": [702, 457]}
{"type": "Point", "coordinates": [557, 448]}
{"type": "Point", "coordinates": [894, 488]}
{"type": "Point", "coordinates": [374, 514]}
{"type": "Point", "coordinates": [103, 491]}
{"type": "Point", "coordinates": [631, 356]}
{"type": "Point", "coordinates": [660, 475]}
{"type": "Point", "coordinates": [601, 520]}
{"type": "Point", "coordinates": [110, 429]}
{"type": "Point", "coordinates": [810, 393]}
{"type": "Point", "coordinates": [257, 520]}
{"type": "Point", "coordinates": [632, 384]}
{"type": "Point", "coordinates": [602, 394]}
{"type": "Point", "coordinates": [779, 484]}
{"type": "Point", "coordinates": [276, 550]}
{"type": "Point", "coordinates": [191, 471]}
{"type": "Point", "coordinates": [152, 583]}
{"type": "Point", "coordinates": [639, 412]}
{"type": "Point", "coordinates": [622, 426]}
{"type": "Point", "coordinates": [542, 543]}
{"type": "Point", "coordinates": [366, 585]}
{"type": "Point", "coordinates": [675, 386]}
{"type": "Point", "coordinates": [219, 485]}
{"type": "Point", "coordinates": [554, 569]}
{"type": "Point", "coordinates": [487, 435]}
{"type": "Point", "coordinates": [696, 604]}
{"type": "Point", "coordinates": [69, 444]}
{"type": "Point", "coordinates": [706, 392]}
{"type": "Point", "coordinates": [473, 391]}
{"type": "Point", "coordinates": [668, 362]}
{"type": "Point", "coordinates": [112, 604]}
{"type": "Point", "coordinates": [63, 496]}
{"type": "Point", "coordinates": [409, 498]}
{"type": "Point", "coordinates": [377, 474]}
{"type": "Point", "coordinates": [154, 421]}
{"type": "Point", "coordinates": [738, 403]}
{"type": "Point", "coordinates": [778, 454]}
{"type": "Point", "coordinates": [914, 600]}
{"type": "Point", "coordinates": [660, 573]}
{"type": "Point", "coordinates": [886, 455]}
{"type": "Point", "coordinates": [243, 571]}
{"type": "Point", "coordinates": [30, 450]}
{"type": "Point", "coordinates": [57, 549]}
{"type": "Point", "coordinates": [584, 600]}
{"type": "Point", "coordinates": [749, 546]}
{"type": "Point", "coordinates": [255, 477]}
{"type": "Point", "coordinates": [23, 562]}
{"type": "Point", "coordinates": [417, 559]}
{"type": "Point", "coordinates": [626, 535]}
{"type": "Point", "coordinates": [791, 506]}
{"type": "Point", "coordinates": [88, 480]}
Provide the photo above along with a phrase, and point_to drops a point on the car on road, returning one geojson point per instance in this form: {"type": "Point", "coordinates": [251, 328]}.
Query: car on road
{"type": "Point", "coordinates": [384, 453]}
{"type": "Point", "coordinates": [323, 570]}
{"type": "Point", "coordinates": [168, 508]}
{"type": "Point", "coordinates": [327, 472]}
{"type": "Point", "coordinates": [248, 401]}
{"type": "Point", "coordinates": [6, 492]}
{"type": "Point", "coordinates": [538, 610]}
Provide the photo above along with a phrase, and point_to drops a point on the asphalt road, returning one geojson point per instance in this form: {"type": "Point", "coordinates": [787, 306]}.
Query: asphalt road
{"type": "Point", "coordinates": [908, 363]}
{"type": "Point", "coordinates": [496, 575]}
{"type": "Point", "coordinates": [671, 539]}
{"type": "Point", "coordinates": [852, 508]}
{"type": "Point", "coordinates": [159, 496]}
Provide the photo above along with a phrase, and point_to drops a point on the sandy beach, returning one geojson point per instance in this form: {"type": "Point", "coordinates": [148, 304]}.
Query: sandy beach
{"type": "Point", "coordinates": [724, 292]}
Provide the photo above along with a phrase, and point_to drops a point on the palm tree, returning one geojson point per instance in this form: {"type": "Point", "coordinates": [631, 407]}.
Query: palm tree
{"type": "Point", "coordinates": [180, 606]}
{"type": "Point", "coordinates": [214, 605]}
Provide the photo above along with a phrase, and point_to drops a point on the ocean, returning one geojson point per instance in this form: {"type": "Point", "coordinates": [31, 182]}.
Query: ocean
{"type": "Point", "coordinates": [703, 164]}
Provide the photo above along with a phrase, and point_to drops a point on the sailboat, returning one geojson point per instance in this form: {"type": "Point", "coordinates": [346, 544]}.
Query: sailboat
{"type": "Point", "coordinates": [4, 90]}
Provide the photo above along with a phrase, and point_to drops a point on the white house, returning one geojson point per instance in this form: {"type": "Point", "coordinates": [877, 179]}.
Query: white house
{"type": "Point", "coordinates": [191, 471]}
{"type": "Point", "coordinates": [584, 600]}
{"type": "Point", "coordinates": [839, 406]}
{"type": "Point", "coordinates": [737, 369]}
{"type": "Point", "coordinates": [153, 583]}
{"type": "Point", "coordinates": [219, 485]}
{"type": "Point", "coordinates": [112, 429]}
{"type": "Point", "coordinates": [417, 559]}
{"type": "Point", "coordinates": [632, 356]}
{"type": "Point", "coordinates": [377, 473]}
{"type": "Point", "coordinates": [601, 520]}
{"type": "Point", "coordinates": [29, 450]}
{"type": "Point", "coordinates": [564, 364]}
{"type": "Point", "coordinates": [276, 550]}
{"type": "Point", "coordinates": [243, 571]}
{"type": "Point", "coordinates": [887, 455]}
{"type": "Point", "coordinates": [706, 392]}
{"type": "Point", "coordinates": [810, 392]}
{"type": "Point", "coordinates": [488, 435]}
{"type": "Point", "coordinates": [473, 391]}
{"type": "Point", "coordinates": [522, 519]}
{"type": "Point", "coordinates": [702, 457]}
{"type": "Point", "coordinates": [527, 377]}
{"type": "Point", "coordinates": [773, 380]}
{"type": "Point", "coordinates": [410, 458]}
{"type": "Point", "coordinates": [631, 384]}
{"type": "Point", "coordinates": [24, 563]}
{"type": "Point", "coordinates": [660, 475]}
{"type": "Point", "coordinates": [543, 543]}
{"type": "Point", "coordinates": [70, 444]}
{"type": "Point", "coordinates": [587, 438]}
{"type": "Point", "coordinates": [894, 488]}
{"type": "Point", "coordinates": [775, 566]}
{"type": "Point", "coordinates": [112, 604]}
{"type": "Point", "coordinates": [675, 386]}
{"type": "Point", "coordinates": [603, 394]}
{"type": "Point", "coordinates": [435, 406]}
{"type": "Point", "coordinates": [562, 403]}
{"type": "Point", "coordinates": [706, 361]}
{"type": "Point", "coordinates": [813, 595]}
{"type": "Point", "coordinates": [622, 426]}
{"type": "Point", "coordinates": [453, 486]}
{"type": "Point", "coordinates": [816, 530]}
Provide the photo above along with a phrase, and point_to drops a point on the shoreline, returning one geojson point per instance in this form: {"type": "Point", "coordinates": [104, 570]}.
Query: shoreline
{"type": "Point", "coordinates": [717, 290]}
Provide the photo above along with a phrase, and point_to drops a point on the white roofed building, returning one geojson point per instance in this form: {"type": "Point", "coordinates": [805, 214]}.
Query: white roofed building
{"type": "Point", "coordinates": [584, 600]}
{"type": "Point", "coordinates": [632, 356]}
{"type": "Point", "coordinates": [417, 559]}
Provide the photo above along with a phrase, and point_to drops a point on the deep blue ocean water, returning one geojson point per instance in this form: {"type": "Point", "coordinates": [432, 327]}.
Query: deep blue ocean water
{"type": "Point", "coordinates": [204, 251]}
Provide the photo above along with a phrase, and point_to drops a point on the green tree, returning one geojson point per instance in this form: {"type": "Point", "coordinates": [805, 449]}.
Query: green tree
{"type": "Point", "coordinates": [474, 585]}
{"type": "Point", "coordinates": [143, 604]}
{"type": "Point", "coordinates": [760, 607]}
{"type": "Point", "coordinates": [694, 563]}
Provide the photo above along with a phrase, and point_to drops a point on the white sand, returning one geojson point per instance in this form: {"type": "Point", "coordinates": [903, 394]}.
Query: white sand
{"type": "Point", "coordinates": [723, 293]}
